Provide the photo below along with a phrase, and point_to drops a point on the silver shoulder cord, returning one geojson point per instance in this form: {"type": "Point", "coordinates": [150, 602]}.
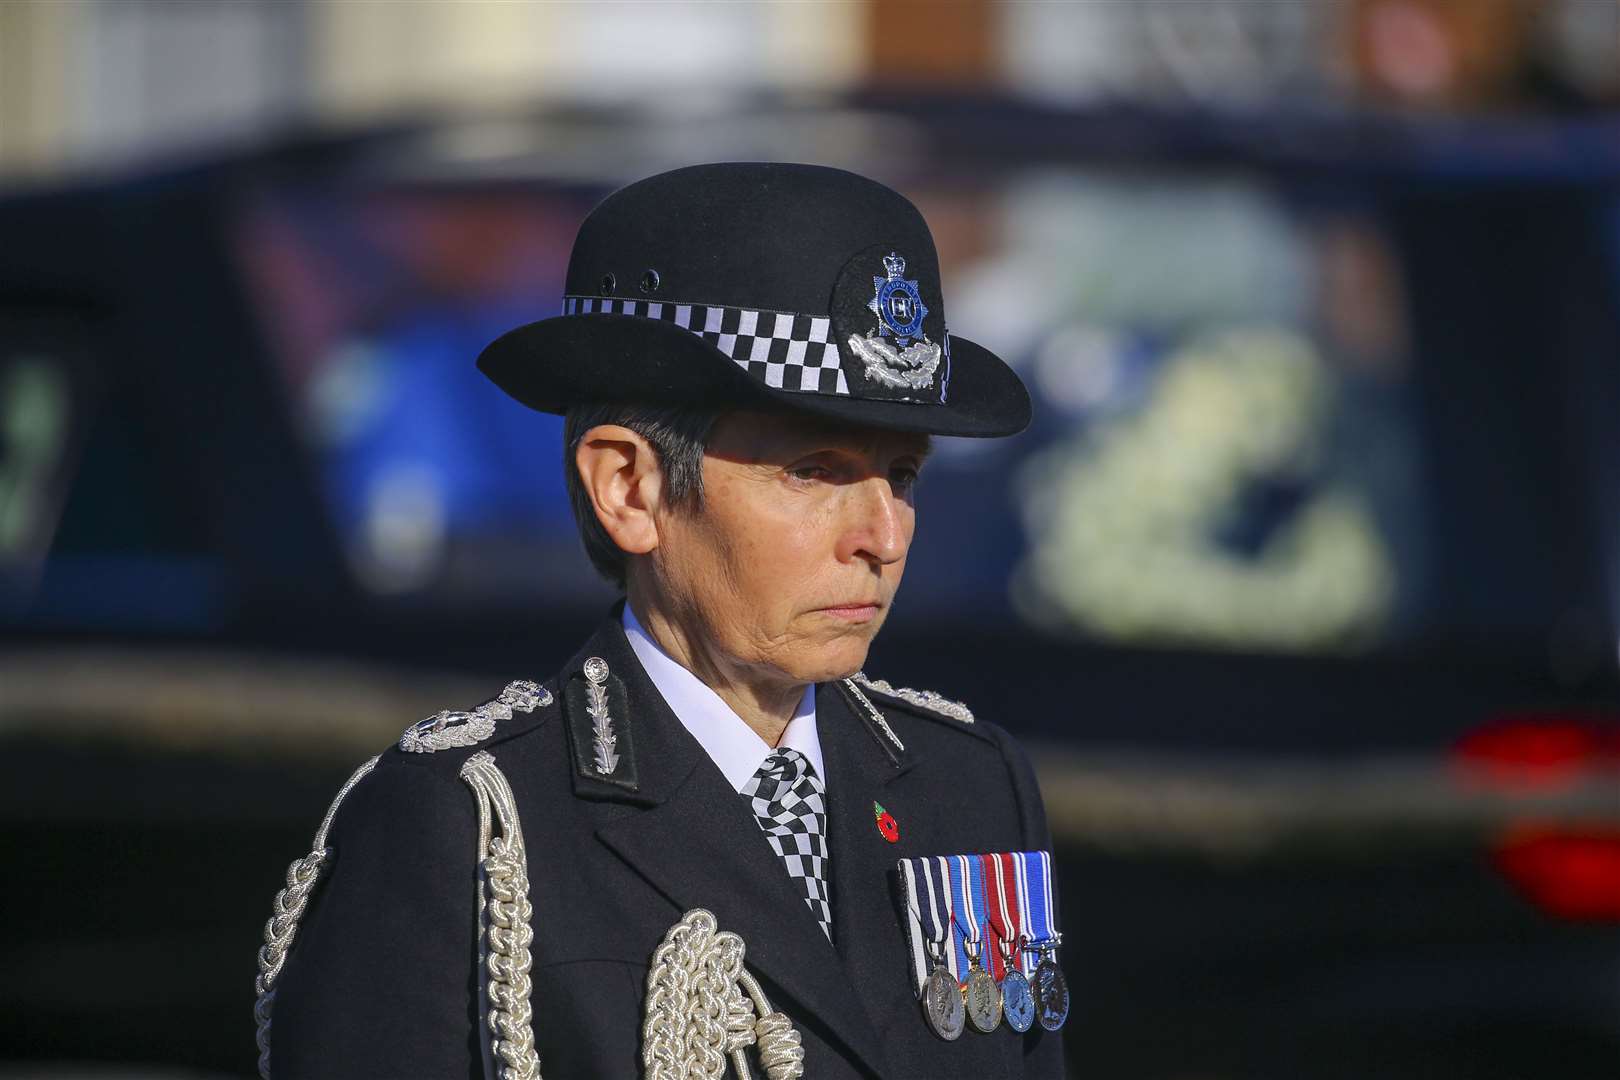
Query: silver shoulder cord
{"type": "Point", "coordinates": [286, 913]}
{"type": "Point", "coordinates": [702, 1005]}
{"type": "Point", "coordinates": [504, 921]}
{"type": "Point", "coordinates": [504, 913]}
{"type": "Point", "coordinates": [697, 1013]}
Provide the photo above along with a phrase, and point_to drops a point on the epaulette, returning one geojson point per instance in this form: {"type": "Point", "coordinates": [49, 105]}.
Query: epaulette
{"type": "Point", "coordinates": [449, 729]}
{"type": "Point", "coordinates": [926, 700]}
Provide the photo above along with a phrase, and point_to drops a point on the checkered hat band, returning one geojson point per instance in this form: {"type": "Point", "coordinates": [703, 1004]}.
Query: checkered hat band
{"type": "Point", "coordinates": [778, 348]}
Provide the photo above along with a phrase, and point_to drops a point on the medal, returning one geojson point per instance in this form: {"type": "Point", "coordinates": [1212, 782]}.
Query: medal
{"type": "Point", "coordinates": [1017, 1002]}
{"type": "Point", "coordinates": [982, 996]}
{"type": "Point", "coordinates": [1006, 926]}
{"type": "Point", "coordinates": [1051, 992]}
{"type": "Point", "coordinates": [927, 889]}
{"type": "Point", "coordinates": [1046, 982]}
{"type": "Point", "coordinates": [979, 990]}
{"type": "Point", "coordinates": [943, 1006]}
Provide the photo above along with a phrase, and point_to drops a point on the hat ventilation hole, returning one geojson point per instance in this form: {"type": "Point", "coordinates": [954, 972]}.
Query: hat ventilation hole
{"type": "Point", "coordinates": [609, 283]}
{"type": "Point", "coordinates": [649, 282]}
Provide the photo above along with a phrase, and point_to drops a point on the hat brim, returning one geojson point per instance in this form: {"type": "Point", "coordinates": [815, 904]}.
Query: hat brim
{"type": "Point", "coordinates": [554, 363]}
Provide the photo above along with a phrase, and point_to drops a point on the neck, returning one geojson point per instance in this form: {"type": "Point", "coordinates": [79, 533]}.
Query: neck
{"type": "Point", "coordinates": [765, 702]}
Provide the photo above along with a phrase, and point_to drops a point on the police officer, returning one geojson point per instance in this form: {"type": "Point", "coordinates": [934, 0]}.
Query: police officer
{"type": "Point", "coordinates": [751, 360]}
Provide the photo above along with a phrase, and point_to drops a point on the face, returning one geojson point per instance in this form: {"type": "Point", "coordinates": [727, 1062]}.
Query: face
{"type": "Point", "coordinates": [790, 566]}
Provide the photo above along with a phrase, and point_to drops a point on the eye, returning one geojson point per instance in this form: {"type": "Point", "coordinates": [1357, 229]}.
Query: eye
{"type": "Point", "coordinates": [903, 477]}
{"type": "Point", "coordinates": [810, 472]}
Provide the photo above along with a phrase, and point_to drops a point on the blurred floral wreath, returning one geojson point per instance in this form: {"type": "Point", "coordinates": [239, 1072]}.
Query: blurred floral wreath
{"type": "Point", "coordinates": [1124, 520]}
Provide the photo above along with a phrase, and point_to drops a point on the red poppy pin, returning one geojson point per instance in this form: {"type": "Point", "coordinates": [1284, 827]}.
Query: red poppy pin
{"type": "Point", "coordinates": [886, 824]}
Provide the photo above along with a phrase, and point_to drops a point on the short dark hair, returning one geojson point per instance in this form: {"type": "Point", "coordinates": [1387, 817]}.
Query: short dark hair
{"type": "Point", "coordinates": [678, 434]}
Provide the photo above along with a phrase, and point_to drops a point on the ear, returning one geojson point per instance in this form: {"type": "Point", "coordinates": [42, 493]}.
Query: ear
{"type": "Point", "coordinates": [621, 476]}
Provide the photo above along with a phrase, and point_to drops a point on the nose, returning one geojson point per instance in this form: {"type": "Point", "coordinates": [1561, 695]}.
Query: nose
{"type": "Point", "coordinates": [878, 523]}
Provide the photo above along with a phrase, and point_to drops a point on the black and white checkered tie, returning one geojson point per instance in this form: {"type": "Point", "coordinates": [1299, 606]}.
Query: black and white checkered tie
{"type": "Point", "coordinates": [791, 806]}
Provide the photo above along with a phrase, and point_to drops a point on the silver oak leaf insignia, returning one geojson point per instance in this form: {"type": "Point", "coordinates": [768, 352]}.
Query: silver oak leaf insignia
{"type": "Point", "coordinates": [911, 368]}
{"type": "Point", "coordinates": [604, 755]}
{"type": "Point", "coordinates": [449, 729]}
{"type": "Point", "coordinates": [923, 699]}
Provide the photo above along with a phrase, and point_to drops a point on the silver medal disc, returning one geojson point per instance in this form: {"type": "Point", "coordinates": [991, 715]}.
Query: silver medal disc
{"type": "Point", "coordinates": [1017, 1003]}
{"type": "Point", "coordinates": [1051, 995]}
{"type": "Point", "coordinates": [942, 1004]}
{"type": "Point", "coordinates": [983, 1000]}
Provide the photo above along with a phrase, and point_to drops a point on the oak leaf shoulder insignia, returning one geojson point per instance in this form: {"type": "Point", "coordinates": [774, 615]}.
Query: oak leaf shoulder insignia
{"type": "Point", "coordinates": [449, 729]}
{"type": "Point", "coordinates": [926, 700]}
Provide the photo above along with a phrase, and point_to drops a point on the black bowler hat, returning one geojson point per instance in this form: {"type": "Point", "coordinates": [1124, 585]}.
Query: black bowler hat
{"type": "Point", "coordinates": [760, 285]}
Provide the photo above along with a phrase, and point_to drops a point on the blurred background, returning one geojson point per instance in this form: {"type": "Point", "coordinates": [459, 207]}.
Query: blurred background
{"type": "Point", "coordinates": [1303, 588]}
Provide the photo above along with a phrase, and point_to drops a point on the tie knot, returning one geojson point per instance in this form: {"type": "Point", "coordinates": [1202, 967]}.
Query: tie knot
{"type": "Point", "coordinates": [785, 765]}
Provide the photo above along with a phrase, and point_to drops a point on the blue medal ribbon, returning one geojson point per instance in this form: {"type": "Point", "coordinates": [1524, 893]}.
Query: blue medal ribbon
{"type": "Point", "coordinates": [1035, 870]}
{"type": "Point", "coordinates": [973, 868]}
{"type": "Point", "coordinates": [963, 918]}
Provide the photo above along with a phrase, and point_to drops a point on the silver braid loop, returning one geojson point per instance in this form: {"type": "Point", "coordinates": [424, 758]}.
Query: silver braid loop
{"type": "Point", "coordinates": [779, 1049]}
{"type": "Point", "coordinates": [286, 914]}
{"type": "Point", "coordinates": [506, 914]}
{"type": "Point", "coordinates": [701, 1006]}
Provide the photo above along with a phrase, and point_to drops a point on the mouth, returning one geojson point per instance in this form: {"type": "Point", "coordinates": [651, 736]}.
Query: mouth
{"type": "Point", "coordinates": [859, 612]}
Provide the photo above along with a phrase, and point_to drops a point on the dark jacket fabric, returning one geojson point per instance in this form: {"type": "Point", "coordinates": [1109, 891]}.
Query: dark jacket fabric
{"type": "Point", "coordinates": [383, 977]}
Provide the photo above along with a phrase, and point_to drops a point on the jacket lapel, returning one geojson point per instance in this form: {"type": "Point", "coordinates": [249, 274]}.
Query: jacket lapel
{"type": "Point", "coordinates": [866, 924]}
{"type": "Point", "coordinates": [695, 843]}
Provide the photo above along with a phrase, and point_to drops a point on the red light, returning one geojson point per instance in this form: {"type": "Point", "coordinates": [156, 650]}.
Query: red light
{"type": "Point", "coordinates": [1539, 751]}
{"type": "Point", "coordinates": [1569, 872]}
{"type": "Point", "coordinates": [1569, 869]}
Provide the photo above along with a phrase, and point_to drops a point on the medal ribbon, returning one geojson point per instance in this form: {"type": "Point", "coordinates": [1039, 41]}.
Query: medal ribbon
{"type": "Point", "coordinates": [915, 897]}
{"type": "Point", "coordinates": [968, 926]}
{"type": "Point", "coordinates": [978, 894]}
{"type": "Point", "coordinates": [1035, 887]}
{"type": "Point", "coordinates": [1021, 896]}
{"type": "Point", "coordinates": [1005, 925]}
{"type": "Point", "coordinates": [961, 919]}
{"type": "Point", "coordinates": [940, 908]}
{"type": "Point", "coordinates": [928, 893]}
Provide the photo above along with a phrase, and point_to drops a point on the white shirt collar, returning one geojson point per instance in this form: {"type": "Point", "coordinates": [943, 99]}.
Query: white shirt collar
{"type": "Point", "coordinates": [734, 746]}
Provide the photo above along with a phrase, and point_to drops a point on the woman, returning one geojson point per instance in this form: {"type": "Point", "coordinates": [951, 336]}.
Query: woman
{"type": "Point", "coordinates": [751, 361]}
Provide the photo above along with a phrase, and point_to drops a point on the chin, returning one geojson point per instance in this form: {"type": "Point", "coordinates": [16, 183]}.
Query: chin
{"type": "Point", "coordinates": [837, 659]}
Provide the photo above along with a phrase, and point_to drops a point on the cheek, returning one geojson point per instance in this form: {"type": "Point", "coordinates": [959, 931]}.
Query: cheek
{"type": "Point", "coordinates": [746, 555]}
{"type": "Point", "coordinates": [782, 558]}
{"type": "Point", "coordinates": [785, 554]}
{"type": "Point", "coordinates": [700, 562]}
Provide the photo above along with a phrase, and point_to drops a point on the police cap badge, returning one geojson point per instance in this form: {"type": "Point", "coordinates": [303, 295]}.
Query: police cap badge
{"type": "Point", "coordinates": [759, 285]}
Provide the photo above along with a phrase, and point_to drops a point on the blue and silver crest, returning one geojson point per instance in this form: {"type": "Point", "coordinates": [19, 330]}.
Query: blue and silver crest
{"type": "Point", "coordinates": [911, 361]}
{"type": "Point", "coordinates": [898, 305]}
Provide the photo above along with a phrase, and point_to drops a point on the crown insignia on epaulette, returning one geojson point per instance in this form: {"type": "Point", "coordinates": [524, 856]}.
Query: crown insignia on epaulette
{"type": "Point", "coordinates": [923, 699]}
{"type": "Point", "coordinates": [449, 729]}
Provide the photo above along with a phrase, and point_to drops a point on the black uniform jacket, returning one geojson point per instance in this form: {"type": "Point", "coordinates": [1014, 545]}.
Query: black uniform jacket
{"type": "Point", "coordinates": [383, 979]}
